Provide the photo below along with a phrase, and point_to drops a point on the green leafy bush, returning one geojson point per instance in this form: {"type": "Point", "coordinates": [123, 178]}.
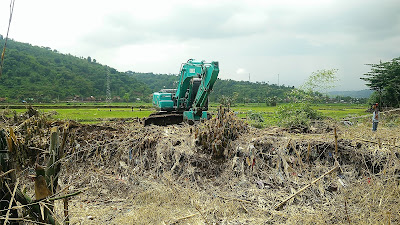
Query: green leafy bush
{"type": "Point", "coordinates": [296, 115]}
{"type": "Point", "coordinates": [256, 119]}
{"type": "Point", "coordinates": [256, 116]}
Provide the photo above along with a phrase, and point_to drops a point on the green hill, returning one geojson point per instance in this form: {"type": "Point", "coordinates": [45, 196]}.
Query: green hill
{"type": "Point", "coordinates": [156, 82]}
{"type": "Point", "coordinates": [248, 91]}
{"type": "Point", "coordinates": [243, 90]}
{"type": "Point", "coordinates": [40, 74]}
{"type": "Point", "coordinates": [354, 94]}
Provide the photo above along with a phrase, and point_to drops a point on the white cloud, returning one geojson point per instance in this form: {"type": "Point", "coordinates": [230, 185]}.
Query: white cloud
{"type": "Point", "coordinates": [241, 71]}
{"type": "Point", "coordinates": [287, 37]}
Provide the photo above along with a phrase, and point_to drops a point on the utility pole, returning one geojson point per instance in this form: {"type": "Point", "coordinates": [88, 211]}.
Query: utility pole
{"type": "Point", "coordinates": [278, 79]}
{"type": "Point", "coordinates": [249, 77]}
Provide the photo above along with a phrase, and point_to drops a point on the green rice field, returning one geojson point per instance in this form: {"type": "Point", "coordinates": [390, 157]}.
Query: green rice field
{"type": "Point", "coordinates": [94, 113]}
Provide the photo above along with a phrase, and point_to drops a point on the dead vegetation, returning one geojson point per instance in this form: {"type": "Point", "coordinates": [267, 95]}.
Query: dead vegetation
{"type": "Point", "coordinates": [222, 172]}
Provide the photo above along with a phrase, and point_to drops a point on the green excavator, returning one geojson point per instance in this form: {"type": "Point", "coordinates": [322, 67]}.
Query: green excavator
{"type": "Point", "coordinates": [189, 101]}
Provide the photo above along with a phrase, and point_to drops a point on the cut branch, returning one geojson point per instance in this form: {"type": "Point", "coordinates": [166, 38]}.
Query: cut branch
{"type": "Point", "coordinates": [305, 187]}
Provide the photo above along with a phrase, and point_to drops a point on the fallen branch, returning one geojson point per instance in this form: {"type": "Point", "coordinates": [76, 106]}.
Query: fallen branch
{"type": "Point", "coordinates": [305, 187]}
{"type": "Point", "coordinates": [186, 217]}
{"type": "Point", "coordinates": [236, 199]}
{"type": "Point", "coordinates": [376, 142]}
{"type": "Point", "coordinates": [66, 196]}
{"type": "Point", "coordinates": [3, 174]}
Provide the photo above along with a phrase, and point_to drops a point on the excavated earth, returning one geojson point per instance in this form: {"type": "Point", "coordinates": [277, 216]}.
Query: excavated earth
{"type": "Point", "coordinates": [226, 172]}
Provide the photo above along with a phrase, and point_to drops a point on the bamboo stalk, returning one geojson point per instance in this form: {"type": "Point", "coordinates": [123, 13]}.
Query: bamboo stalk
{"type": "Point", "coordinates": [3, 174]}
{"type": "Point", "coordinates": [11, 201]}
{"type": "Point", "coordinates": [35, 209]}
{"type": "Point", "coordinates": [336, 144]}
{"type": "Point", "coordinates": [305, 187]}
{"type": "Point", "coordinates": [66, 196]}
{"type": "Point", "coordinates": [345, 207]}
{"type": "Point", "coordinates": [66, 214]}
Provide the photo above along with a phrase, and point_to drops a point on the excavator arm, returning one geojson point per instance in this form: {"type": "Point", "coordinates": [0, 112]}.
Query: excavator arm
{"type": "Point", "coordinates": [206, 85]}
{"type": "Point", "coordinates": [195, 83]}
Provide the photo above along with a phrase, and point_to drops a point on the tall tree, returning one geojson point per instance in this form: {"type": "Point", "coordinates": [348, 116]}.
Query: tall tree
{"type": "Point", "coordinates": [384, 78]}
{"type": "Point", "coordinates": [320, 81]}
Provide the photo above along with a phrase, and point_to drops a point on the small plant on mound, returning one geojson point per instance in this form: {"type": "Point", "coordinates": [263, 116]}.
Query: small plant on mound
{"type": "Point", "coordinates": [256, 119]}
{"type": "Point", "coordinates": [215, 135]}
{"type": "Point", "coordinates": [297, 115]}
{"type": "Point", "coordinates": [256, 116]}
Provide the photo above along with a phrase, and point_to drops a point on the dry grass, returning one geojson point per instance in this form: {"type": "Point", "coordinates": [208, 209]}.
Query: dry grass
{"type": "Point", "coordinates": [159, 175]}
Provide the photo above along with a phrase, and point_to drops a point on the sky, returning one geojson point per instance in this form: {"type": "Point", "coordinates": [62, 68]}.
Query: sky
{"type": "Point", "coordinates": [276, 41]}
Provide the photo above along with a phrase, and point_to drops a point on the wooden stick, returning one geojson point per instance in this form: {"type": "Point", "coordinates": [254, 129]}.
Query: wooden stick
{"type": "Point", "coordinates": [336, 144]}
{"type": "Point", "coordinates": [66, 196]}
{"type": "Point", "coordinates": [305, 187]}
{"type": "Point", "coordinates": [3, 174]}
{"type": "Point", "coordinates": [287, 146]}
{"type": "Point", "coordinates": [186, 217]}
{"type": "Point", "coordinates": [244, 208]}
{"type": "Point", "coordinates": [236, 199]}
{"type": "Point", "coordinates": [347, 215]}
{"type": "Point", "coordinates": [11, 201]}
{"type": "Point", "coordinates": [66, 214]}
{"type": "Point", "coordinates": [198, 209]}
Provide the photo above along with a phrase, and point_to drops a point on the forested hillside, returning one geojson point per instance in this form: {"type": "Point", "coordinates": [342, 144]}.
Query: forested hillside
{"type": "Point", "coordinates": [40, 74]}
{"type": "Point", "coordinates": [245, 91]}
{"type": "Point", "coordinates": [156, 82]}
{"type": "Point", "coordinates": [239, 91]}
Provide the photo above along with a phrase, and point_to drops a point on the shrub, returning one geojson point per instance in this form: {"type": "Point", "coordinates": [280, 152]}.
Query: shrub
{"type": "Point", "coordinates": [256, 116]}
{"type": "Point", "coordinates": [296, 115]}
